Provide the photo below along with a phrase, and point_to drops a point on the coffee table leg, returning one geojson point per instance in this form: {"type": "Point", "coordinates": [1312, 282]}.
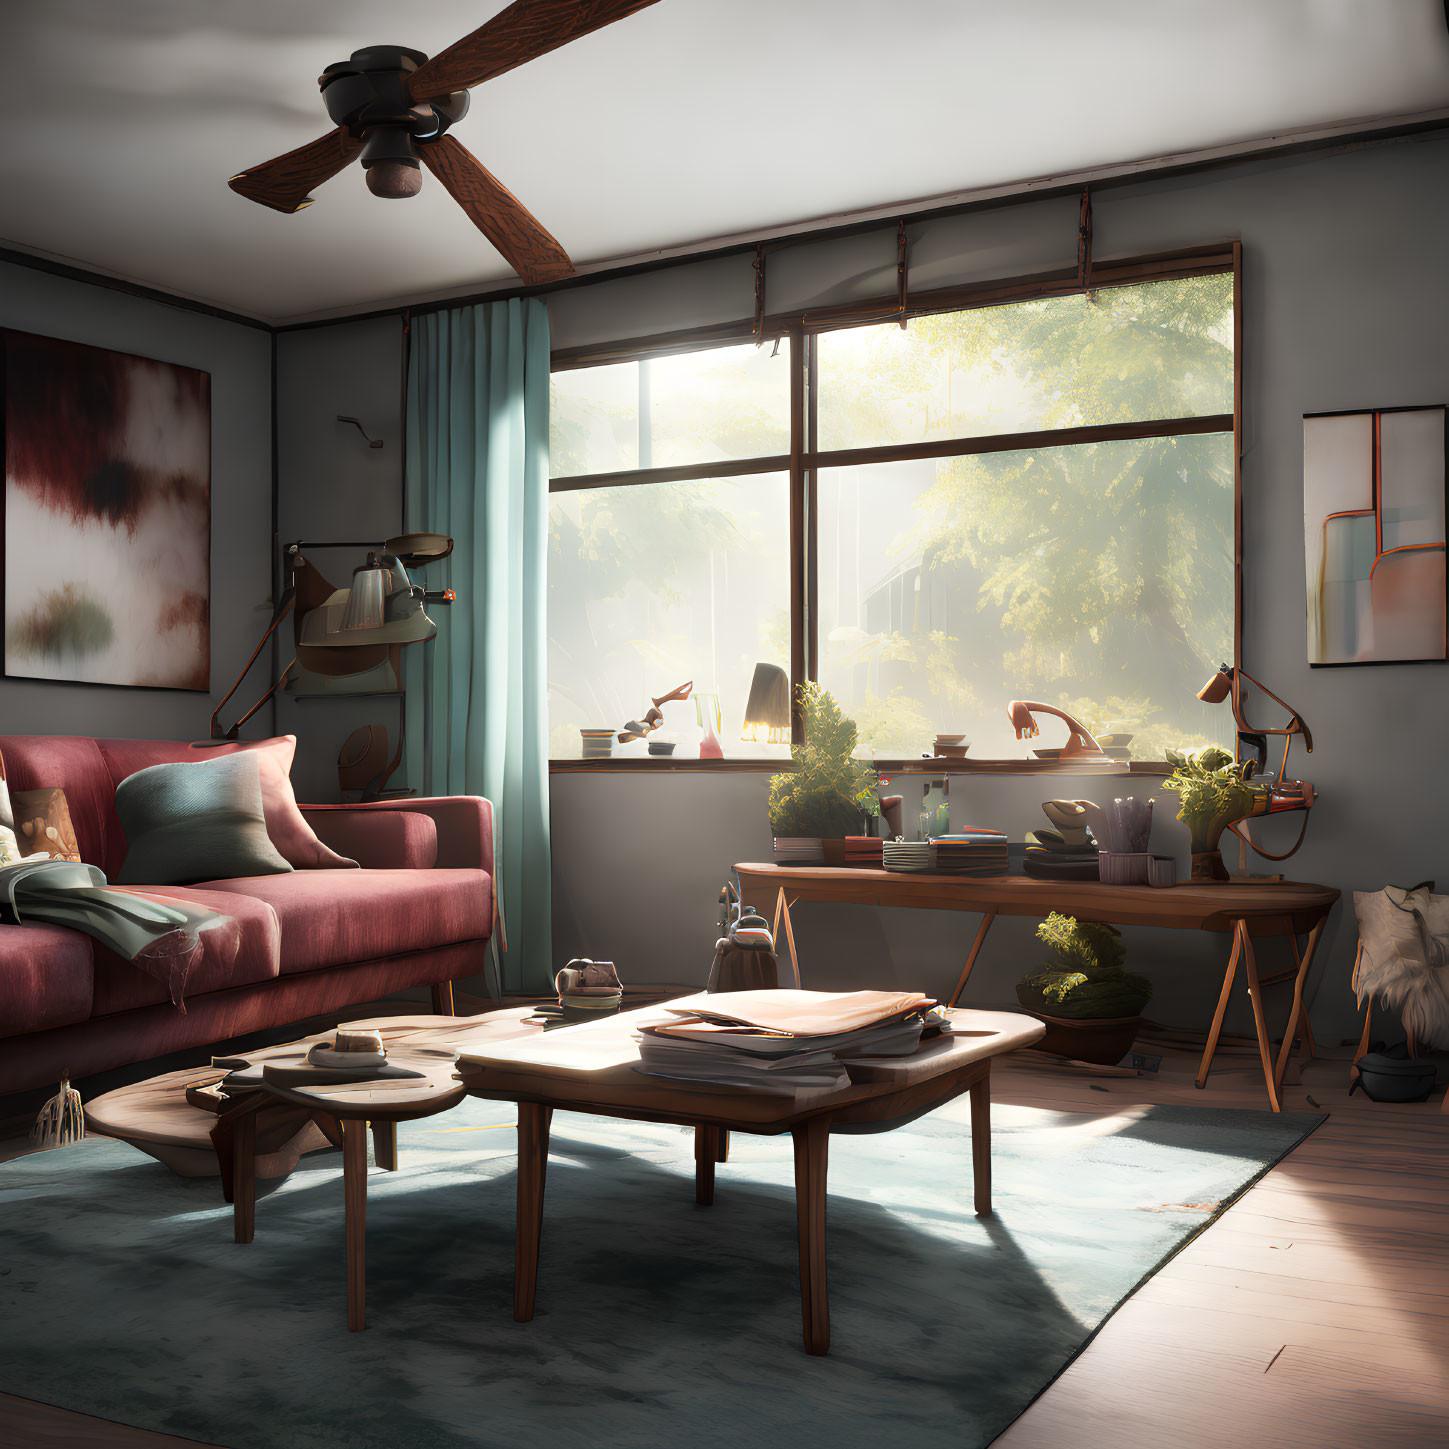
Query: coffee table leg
{"type": "Point", "coordinates": [533, 1125]}
{"type": "Point", "coordinates": [812, 1141]}
{"type": "Point", "coordinates": [384, 1145]}
{"type": "Point", "coordinates": [706, 1154]}
{"type": "Point", "coordinates": [354, 1190]}
{"type": "Point", "coordinates": [244, 1176]}
{"type": "Point", "coordinates": [981, 1141]}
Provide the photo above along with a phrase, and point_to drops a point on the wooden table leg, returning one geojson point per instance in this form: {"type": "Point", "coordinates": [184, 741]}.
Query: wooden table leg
{"type": "Point", "coordinates": [533, 1125]}
{"type": "Point", "coordinates": [384, 1145]}
{"type": "Point", "coordinates": [782, 911]}
{"type": "Point", "coordinates": [244, 1176]}
{"type": "Point", "coordinates": [354, 1193]}
{"type": "Point", "coordinates": [971, 955]}
{"type": "Point", "coordinates": [1255, 994]}
{"type": "Point", "coordinates": [812, 1142]}
{"type": "Point", "coordinates": [1240, 932]}
{"type": "Point", "coordinates": [723, 1155]}
{"type": "Point", "coordinates": [1295, 1012]}
{"type": "Point", "coordinates": [981, 1141]}
{"type": "Point", "coordinates": [706, 1154]}
{"type": "Point", "coordinates": [443, 999]}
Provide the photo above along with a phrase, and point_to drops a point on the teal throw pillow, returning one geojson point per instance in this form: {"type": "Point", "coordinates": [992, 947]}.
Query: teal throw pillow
{"type": "Point", "coordinates": [192, 822]}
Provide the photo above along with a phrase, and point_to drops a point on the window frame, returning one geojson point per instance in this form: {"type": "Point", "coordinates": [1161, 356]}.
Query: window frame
{"type": "Point", "coordinates": [797, 332]}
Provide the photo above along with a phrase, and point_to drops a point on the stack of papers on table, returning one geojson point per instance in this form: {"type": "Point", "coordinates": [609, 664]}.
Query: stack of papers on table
{"type": "Point", "coordinates": [972, 851]}
{"type": "Point", "coordinates": [780, 1041]}
{"type": "Point", "coordinates": [915, 856]}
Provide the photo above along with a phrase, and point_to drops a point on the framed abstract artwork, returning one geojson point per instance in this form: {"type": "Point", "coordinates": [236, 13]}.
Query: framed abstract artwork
{"type": "Point", "coordinates": [1373, 534]}
{"type": "Point", "coordinates": [107, 521]}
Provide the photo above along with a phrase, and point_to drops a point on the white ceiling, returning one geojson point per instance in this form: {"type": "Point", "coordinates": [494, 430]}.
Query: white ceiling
{"type": "Point", "coordinates": [692, 120]}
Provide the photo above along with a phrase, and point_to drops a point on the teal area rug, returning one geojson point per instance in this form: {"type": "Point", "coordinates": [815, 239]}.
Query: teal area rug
{"type": "Point", "coordinates": [659, 1323]}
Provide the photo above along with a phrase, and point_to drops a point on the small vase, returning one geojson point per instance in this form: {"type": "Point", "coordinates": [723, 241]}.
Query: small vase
{"type": "Point", "coordinates": [709, 746]}
{"type": "Point", "coordinates": [1208, 865]}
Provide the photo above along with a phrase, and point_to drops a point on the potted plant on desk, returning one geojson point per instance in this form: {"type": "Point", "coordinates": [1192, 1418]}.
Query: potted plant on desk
{"type": "Point", "coordinates": [1215, 793]}
{"type": "Point", "coordinates": [828, 793]}
{"type": "Point", "coordinates": [1091, 1006]}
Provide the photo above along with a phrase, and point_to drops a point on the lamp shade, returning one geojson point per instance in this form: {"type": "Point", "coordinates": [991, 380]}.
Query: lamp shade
{"type": "Point", "coordinates": [1219, 687]}
{"type": "Point", "coordinates": [367, 598]}
{"type": "Point", "coordinates": [767, 711]}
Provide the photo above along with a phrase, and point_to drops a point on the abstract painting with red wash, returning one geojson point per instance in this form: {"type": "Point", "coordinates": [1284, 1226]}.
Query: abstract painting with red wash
{"type": "Point", "coordinates": [1374, 533]}
{"type": "Point", "coordinates": [107, 516]}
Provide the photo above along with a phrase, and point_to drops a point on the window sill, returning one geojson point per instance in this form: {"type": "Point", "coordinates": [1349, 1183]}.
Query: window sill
{"type": "Point", "coordinates": [666, 764]}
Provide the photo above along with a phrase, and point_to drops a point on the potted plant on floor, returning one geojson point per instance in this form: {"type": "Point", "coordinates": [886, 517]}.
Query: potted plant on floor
{"type": "Point", "coordinates": [828, 794]}
{"type": "Point", "coordinates": [1091, 1006]}
{"type": "Point", "coordinates": [1215, 792]}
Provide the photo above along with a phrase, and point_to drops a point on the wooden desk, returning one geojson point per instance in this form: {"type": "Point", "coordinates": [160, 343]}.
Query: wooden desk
{"type": "Point", "coordinates": [1245, 909]}
{"type": "Point", "coordinates": [592, 1068]}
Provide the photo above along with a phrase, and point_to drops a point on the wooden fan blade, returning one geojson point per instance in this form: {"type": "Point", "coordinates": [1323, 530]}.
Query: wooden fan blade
{"type": "Point", "coordinates": [283, 182]}
{"type": "Point", "coordinates": [526, 29]}
{"type": "Point", "coordinates": [496, 212]}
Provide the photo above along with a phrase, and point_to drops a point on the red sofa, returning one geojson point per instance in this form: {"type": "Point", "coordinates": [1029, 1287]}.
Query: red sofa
{"type": "Point", "coordinates": [418, 912]}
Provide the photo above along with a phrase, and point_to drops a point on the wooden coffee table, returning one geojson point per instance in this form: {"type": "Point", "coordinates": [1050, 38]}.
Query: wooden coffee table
{"type": "Point", "coordinates": [591, 1068]}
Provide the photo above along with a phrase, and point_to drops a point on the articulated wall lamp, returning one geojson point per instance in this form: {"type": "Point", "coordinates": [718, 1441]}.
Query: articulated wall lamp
{"type": "Point", "coordinates": [1282, 794]}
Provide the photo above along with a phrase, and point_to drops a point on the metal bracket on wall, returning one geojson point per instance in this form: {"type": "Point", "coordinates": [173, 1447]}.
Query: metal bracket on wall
{"type": "Point", "coordinates": [371, 442]}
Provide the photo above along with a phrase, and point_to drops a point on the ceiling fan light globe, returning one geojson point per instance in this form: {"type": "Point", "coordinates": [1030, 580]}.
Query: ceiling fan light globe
{"type": "Point", "coordinates": [396, 179]}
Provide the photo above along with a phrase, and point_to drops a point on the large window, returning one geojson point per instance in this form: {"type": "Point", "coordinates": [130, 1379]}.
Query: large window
{"type": "Point", "coordinates": [1033, 500]}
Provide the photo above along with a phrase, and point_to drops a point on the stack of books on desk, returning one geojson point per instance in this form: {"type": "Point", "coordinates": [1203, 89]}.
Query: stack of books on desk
{"type": "Point", "coordinates": [866, 850]}
{"type": "Point", "coordinates": [972, 851]}
{"type": "Point", "coordinates": [782, 1041]}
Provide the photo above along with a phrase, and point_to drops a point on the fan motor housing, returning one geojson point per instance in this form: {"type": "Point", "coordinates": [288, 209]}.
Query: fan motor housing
{"type": "Point", "coordinates": [367, 94]}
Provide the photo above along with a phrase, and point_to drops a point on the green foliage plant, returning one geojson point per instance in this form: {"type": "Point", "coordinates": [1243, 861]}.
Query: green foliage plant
{"type": "Point", "coordinates": [1214, 792]}
{"type": "Point", "coordinates": [828, 791]}
{"type": "Point", "coordinates": [1085, 981]}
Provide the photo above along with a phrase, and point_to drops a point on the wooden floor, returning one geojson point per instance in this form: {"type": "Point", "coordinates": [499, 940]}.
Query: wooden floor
{"type": "Point", "coordinates": [1314, 1314]}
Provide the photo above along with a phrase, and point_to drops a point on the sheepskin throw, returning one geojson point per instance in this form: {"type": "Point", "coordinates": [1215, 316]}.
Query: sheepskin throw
{"type": "Point", "coordinates": [1404, 957]}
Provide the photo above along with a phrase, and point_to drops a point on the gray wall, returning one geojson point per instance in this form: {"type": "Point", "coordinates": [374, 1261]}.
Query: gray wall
{"type": "Point", "coordinates": [238, 358]}
{"type": "Point", "coordinates": [331, 485]}
{"type": "Point", "coordinates": [1346, 301]}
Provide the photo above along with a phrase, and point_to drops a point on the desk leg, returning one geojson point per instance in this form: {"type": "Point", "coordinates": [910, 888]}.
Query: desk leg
{"type": "Point", "coordinates": [354, 1193]}
{"type": "Point", "coordinates": [706, 1154]}
{"type": "Point", "coordinates": [971, 955]}
{"type": "Point", "coordinates": [1295, 1014]}
{"type": "Point", "coordinates": [812, 1141]}
{"type": "Point", "coordinates": [533, 1126]}
{"type": "Point", "coordinates": [981, 1141]}
{"type": "Point", "coordinates": [1255, 994]}
{"type": "Point", "coordinates": [244, 1176]}
{"type": "Point", "coordinates": [782, 911]}
{"type": "Point", "coordinates": [1240, 932]}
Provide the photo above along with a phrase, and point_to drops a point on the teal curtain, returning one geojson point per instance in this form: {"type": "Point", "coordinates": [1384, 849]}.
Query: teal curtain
{"type": "Point", "coordinates": [477, 469]}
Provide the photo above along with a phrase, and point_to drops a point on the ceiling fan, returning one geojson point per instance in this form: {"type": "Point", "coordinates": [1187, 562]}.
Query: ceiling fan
{"type": "Point", "coordinates": [393, 108]}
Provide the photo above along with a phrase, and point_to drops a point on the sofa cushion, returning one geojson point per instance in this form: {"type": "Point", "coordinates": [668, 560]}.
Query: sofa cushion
{"type": "Point", "coordinates": [295, 840]}
{"type": "Point", "coordinates": [329, 917]}
{"type": "Point", "coordinates": [240, 956]}
{"type": "Point", "coordinates": [45, 978]}
{"type": "Point", "coordinates": [73, 764]}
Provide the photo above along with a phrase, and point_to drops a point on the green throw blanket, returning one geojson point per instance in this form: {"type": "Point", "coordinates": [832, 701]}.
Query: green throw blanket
{"type": "Point", "coordinates": [159, 936]}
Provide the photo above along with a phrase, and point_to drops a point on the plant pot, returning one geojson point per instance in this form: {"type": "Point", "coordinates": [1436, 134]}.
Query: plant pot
{"type": "Point", "coordinates": [834, 851]}
{"type": "Point", "coordinates": [1208, 865]}
{"type": "Point", "coordinates": [1105, 1041]}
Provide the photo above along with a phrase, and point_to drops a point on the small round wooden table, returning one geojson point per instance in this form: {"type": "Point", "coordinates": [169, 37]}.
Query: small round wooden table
{"type": "Point", "coordinates": [349, 1107]}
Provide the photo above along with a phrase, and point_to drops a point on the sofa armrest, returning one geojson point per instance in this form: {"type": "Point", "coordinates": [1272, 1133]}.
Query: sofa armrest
{"type": "Point", "coordinates": [464, 826]}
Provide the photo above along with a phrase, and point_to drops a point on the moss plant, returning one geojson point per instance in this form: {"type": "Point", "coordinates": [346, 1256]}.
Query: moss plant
{"type": "Point", "coordinates": [828, 791]}
{"type": "Point", "coordinates": [1086, 981]}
